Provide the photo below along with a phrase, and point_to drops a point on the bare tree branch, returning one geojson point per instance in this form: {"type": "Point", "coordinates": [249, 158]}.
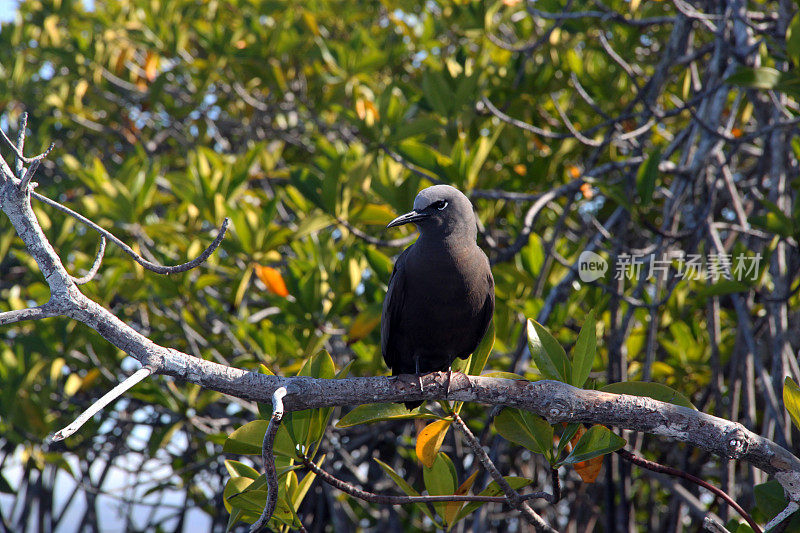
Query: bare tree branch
{"type": "Point", "coordinates": [268, 457]}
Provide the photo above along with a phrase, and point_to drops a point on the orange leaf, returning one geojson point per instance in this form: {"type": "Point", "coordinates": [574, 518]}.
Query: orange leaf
{"type": "Point", "coordinates": [150, 66]}
{"type": "Point", "coordinates": [586, 189]}
{"type": "Point", "coordinates": [520, 169]}
{"type": "Point", "coordinates": [119, 66]}
{"type": "Point", "coordinates": [588, 470]}
{"type": "Point", "coordinates": [272, 279]}
{"type": "Point", "coordinates": [366, 111]}
{"type": "Point", "coordinates": [452, 508]}
{"type": "Point", "coordinates": [574, 171]}
{"type": "Point", "coordinates": [240, 44]}
{"type": "Point", "coordinates": [736, 132]}
{"type": "Point", "coordinates": [430, 440]}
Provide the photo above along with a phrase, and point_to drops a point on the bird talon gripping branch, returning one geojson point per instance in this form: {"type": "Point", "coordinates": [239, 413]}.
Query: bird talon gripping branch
{"type": "Point", "coordinates": [440, 299]}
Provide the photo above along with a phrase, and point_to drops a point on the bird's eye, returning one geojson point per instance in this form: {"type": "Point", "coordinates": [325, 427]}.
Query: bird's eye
{"type": "Point", "coordinates": [441, 204]}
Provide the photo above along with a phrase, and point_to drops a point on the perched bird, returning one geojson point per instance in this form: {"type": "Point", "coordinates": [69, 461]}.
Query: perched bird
{"type": "Point", "coordinates": [440, 299]}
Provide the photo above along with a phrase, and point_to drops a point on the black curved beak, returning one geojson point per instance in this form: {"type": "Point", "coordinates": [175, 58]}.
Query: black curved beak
{"type": "Point", "coordinates": [413, 216]}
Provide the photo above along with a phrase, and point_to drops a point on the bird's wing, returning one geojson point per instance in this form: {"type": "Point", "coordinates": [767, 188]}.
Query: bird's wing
{"type": "Point", "coordinates": [392, 310]}
{"type": "Point", "coordinates": [487, 312]}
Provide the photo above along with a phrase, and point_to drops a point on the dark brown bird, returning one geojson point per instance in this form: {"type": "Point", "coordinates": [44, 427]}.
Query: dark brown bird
{"type": "Point", "coordinates": [440, 299]}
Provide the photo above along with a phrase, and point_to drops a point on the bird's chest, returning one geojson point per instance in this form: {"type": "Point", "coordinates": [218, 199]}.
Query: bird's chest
{"type": "Point", "coordinates": [444, 287]}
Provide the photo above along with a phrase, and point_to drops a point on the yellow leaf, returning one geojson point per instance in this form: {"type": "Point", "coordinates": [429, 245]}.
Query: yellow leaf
{"type": "Point", "coordinates": [51, 27]}
{"type": "Point", "coordinates": [72, 385]}
{"type": "Point", "coordinates": [311, 22]}
{"type": "Point", "coordinates": [430, 440]}
{"type": "Point", "coordinates": [361, 109]}
{"type": "Point", "coordinates": [80, 91]}
{"type": "Point", "coordinates": [272, 279]}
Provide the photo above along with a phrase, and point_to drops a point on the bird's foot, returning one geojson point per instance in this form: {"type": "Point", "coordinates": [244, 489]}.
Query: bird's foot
{"type": "Point", "coordinates": [419, 376]}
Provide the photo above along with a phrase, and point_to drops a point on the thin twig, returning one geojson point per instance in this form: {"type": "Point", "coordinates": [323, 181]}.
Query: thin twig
{"type": "Point", "coordinates": [712, 525]}
{"type": "Point", "coordinates": [530, 217]}
{"type": "Point", "coordinates": [394, 243]}
{"type": "Point", "coordinates": [95, 266]}
{"type": "Point", "coordinates": [32, 167]}
{"type": "Point", "coordinates": [268, 457]}
{"type": "Point", "coordinates": [30, 313]}
{"type": "Point", "coordinates": [23, 120]}
{"type": "Point", "coordinates": [106, 399]}
{"type": "Point", "coordinates": [389, 499]}
{"type": "Point", "coordinates": [512, 496]}
{"type": "Point", "coordinates": [663, 469]}
{"type": "Point", "coordinates": [783, 515]}
{"type": "Point", "coordinates": [571, 127]}
{"type": "Point", "coordinates": [154, 267]}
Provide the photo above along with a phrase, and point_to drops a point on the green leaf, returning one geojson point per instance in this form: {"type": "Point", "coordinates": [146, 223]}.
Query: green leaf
{"type": "Point", "coordinates": [404, 486]}
{"type": "Point", "coordinates": [791, 400]}
{"type": "Point", "coordinates": [308, 426]}
{"type": "Point", "coordinates": [646, 177]}
{"type": "Point", "coordinates": [239, 469]}
{"type": "Point", "coordinates": [548, 354]}
{"type": "Point", "coordinates": [376, 412]}
{"type": "Point", "coordinates": [305, 485]}
{"type": "Point", "coordinates": [569, 432]}
{"type": "Point", "coordinates": [656, 391]}
{"type": "Point", "coordinates": [436, 91]}
{"type": "Point", "coordinates": [771, 500]}
{"type": "Point", "coordinates": [532, 255]}
{"type": "Point", "coordinates": [247, 440]}
{"type": "Point", "coordinates": [485, 145]}
{"type": "Point", "coordinates": [757, 78]}
{"type": "Point", "coordinates": [379, 263]}
{"type": "Point", "coordinates": [5, 486]}
{"type": "Point", "coordinates": [482, 352]}
{"type": "Point", "coordinates": [584, 352]}
{"type": "Point", "coordinates": [597, 441]}
{"type": "Point", "coordinates": [298, 424]}
{"type": "Point", "coordinates": [319, 366]}
{"type": "Point", "coordinates": [775, 220]}
{"type": "Point", "coordinates": [493, 489]}
{"type": "Point", "coordinates": [440, 479]}
{"type": "Point", "coordinates": [414, 127]}
{"type": "Point", "coordinates": [526, 429]}
{"type": "Point", "coordinates": [793, 40]}
{"type": "Point", "coordinates": [722, 287]}
{"type": "Point", "coordinates": [422, 155]}
{"type": "Point", "coordinates": [503, 375]}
